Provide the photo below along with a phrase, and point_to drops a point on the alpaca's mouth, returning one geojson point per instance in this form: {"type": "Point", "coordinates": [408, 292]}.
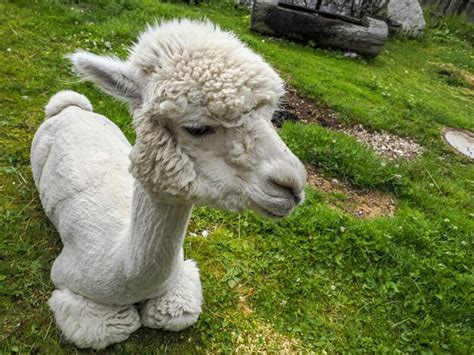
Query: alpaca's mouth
{"type": "Point", "coordinates": [266, 212]}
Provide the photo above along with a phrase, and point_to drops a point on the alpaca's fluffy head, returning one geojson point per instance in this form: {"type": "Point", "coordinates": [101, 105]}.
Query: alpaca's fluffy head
{"type": "Point", "coordinates": [202, 104]}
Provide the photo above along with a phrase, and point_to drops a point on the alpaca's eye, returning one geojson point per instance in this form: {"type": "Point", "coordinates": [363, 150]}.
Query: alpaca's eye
{"type": "Point", "coordinates": [199, 130]}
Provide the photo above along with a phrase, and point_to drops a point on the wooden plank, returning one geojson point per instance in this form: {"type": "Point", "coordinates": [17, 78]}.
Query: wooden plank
{"type": "Point", "coordinates": [367, 39]}
{"type": "Point", "coordinates": [327, 14]}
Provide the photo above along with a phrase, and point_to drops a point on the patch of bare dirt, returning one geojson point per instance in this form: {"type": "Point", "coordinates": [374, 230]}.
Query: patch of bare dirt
{"type": "Point", "coordinates": [449, 70]}
{"type": "Point", "coordinates": [389, 146]}
{"type": "Point", "coordinates": [259, 337]}
{"type": "Point", "coordinates": [308, 112]}
{"type": "Point", "coordinates": [361, 204]}
{"type": "Point", "coordinates": [244, 294]}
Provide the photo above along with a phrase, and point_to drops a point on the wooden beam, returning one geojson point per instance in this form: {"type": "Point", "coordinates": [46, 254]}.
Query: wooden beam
{"type": "Point", "coordinates": [367, 39]}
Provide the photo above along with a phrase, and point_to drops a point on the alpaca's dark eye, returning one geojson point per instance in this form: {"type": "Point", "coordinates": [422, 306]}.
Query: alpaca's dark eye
{"type": "Point", "coordinates": [198, 131]}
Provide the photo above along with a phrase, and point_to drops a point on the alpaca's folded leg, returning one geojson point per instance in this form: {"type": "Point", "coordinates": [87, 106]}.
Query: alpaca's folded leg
{"type": "Point", "coordinates": [179, 307]}
{"type": "Point", "coordinates": [88, 324]}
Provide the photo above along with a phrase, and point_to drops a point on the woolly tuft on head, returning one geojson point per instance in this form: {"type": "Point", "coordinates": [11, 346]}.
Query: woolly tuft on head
{"type": "Point", "coordinates": [194, 64]}
{"type": "Point", "coordinates": [66, 98]}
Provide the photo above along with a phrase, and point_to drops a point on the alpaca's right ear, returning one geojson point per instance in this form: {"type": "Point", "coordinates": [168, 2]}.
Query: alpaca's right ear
{"type": "Point", "coordinates": [111, 74]}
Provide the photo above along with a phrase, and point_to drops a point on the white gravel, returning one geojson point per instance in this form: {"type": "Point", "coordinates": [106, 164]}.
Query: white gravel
{"type": "Point", "coordinates": [387, 145]}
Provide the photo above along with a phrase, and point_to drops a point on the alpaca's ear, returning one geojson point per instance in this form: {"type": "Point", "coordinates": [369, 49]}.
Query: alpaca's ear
{"type": "Point", "coordinates": [111, 74]}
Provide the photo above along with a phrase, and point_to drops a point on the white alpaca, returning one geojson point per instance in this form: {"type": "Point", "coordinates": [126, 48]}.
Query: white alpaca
{"type": "Point", "coordinates": [201, 104]}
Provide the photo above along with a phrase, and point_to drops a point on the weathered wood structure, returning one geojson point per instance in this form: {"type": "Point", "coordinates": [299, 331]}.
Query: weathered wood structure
{"type": "Point", "coordinates": [449, 7]}
{"type": "Point", "coordinates": [365, 36]}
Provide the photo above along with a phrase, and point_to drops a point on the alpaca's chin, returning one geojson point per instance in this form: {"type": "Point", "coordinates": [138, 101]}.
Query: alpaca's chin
{"type": "Point", "coordinates": [273, 209]}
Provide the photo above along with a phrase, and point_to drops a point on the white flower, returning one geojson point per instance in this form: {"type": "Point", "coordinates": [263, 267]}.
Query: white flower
{"type": "Point", "coordinates": [342, 229]}
{"type": "Point", "coordinates": [205, 233]}
{"type": "Point", "coordinates": [463, 243]}
{"type": "Point", "coordinates": [333, 287]}
{"type": "Point", "coordinates": [446, 220]}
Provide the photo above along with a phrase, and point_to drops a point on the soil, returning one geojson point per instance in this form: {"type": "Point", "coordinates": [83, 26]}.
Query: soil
{"type": "Point", "coordinates": [360, 203]}
{"type": "Point", "coordinates": [308, 112]}
{"type": "Point", "coordinates": [389, 146]}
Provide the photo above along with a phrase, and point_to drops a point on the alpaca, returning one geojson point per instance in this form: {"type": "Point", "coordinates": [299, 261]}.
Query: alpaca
{"type": "Point", "coordinates": [202, 104]}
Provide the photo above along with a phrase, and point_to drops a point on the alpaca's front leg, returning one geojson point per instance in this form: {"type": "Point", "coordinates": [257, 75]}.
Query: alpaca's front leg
{"type": "Point", "coordinates": [180, 305]}
{"type": "Point", "coordinates": [88, 324]}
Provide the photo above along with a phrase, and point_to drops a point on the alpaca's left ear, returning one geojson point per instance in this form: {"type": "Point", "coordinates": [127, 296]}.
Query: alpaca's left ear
{"type": "Point", "coordinates": [111, 74]}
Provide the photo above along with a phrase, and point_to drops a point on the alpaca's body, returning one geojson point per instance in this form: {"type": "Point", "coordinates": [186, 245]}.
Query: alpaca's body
{"type": "Point", "coordinates": [87, 193]}
{"type": "Point", "coordinates": [80, 168]}
{"type": "Point", "coordinates": [202, 104]}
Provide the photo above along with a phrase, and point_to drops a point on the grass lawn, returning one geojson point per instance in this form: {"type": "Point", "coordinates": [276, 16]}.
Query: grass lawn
{"type": "Point", "coordinates": [320, 280]}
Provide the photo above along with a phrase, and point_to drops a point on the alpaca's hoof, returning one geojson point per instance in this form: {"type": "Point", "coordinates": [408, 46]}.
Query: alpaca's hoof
{"type": "Point", "coordinates": [180, 306]}
{"type": "Point", "coordinates": [88, 324]}
{"type": "Point", "coordinates": [152, 317]}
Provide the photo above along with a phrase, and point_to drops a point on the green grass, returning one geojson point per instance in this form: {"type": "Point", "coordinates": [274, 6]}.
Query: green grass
{"type": "Point", "coordinates": [401, 283]}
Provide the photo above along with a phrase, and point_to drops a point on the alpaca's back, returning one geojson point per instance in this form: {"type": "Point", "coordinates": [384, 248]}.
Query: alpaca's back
{"type": "Point", "coordinates": [80, 167]}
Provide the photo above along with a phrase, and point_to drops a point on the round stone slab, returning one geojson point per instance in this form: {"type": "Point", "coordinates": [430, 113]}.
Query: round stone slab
{"type": "Point", "coordinates": [462, 141]}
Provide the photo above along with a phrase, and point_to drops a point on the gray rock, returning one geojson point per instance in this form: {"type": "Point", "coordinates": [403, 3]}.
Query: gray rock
{"type": "Point", "coordinates": [409, 14]}
{"type": "Point", "coordinates": [248, 3]}
{"type": "Point", "coordinates": [340, 7]}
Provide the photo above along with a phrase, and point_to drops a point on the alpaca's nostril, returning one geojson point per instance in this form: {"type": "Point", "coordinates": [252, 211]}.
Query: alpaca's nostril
{"type": "Point", "coordinates": [288, 186]}
{"type": "Point", "coordinates": [298, 198]}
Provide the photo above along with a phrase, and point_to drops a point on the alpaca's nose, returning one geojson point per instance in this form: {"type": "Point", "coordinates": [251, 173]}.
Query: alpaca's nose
{"type": "Point", "coordinates": [289, 185]}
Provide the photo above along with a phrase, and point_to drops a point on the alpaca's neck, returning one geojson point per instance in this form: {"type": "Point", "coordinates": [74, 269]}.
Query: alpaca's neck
{"type": "Point", "coordinates": [153, 244]}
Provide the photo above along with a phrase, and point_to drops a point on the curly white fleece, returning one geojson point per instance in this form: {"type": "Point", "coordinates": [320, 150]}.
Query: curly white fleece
{"type": "Point", "coordinates": [186, 64]}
